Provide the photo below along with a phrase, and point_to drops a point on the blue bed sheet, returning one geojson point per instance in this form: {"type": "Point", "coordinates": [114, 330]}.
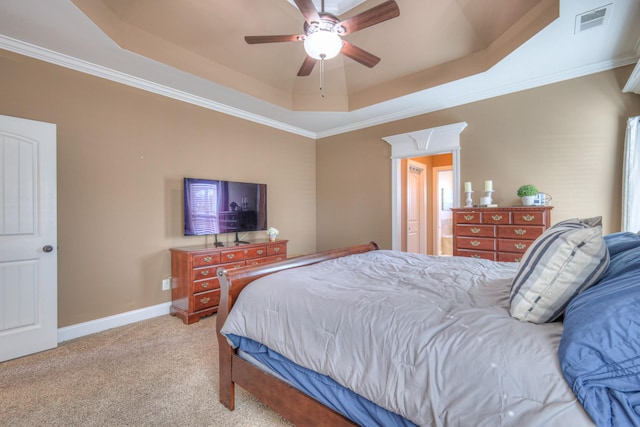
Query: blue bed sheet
{"type": "Point", "coordinates": [322, 388]}
{"type": "Point", "coordinates": [600, 347]}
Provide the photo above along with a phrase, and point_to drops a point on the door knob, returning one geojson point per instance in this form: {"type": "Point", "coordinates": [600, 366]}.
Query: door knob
{"type": "Point", "coordinates": [47, 248]}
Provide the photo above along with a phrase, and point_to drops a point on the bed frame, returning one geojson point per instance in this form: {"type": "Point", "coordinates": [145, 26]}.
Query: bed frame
{"type": "Point", "coordinates": [291, 403]}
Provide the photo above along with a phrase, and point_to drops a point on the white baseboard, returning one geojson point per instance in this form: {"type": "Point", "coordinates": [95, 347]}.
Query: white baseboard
{"type": "Point", "coordinates": [87, 328]}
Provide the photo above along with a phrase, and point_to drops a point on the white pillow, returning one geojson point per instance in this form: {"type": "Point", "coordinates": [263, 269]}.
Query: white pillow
{"type": "Point", "coordinates": [565, 260]}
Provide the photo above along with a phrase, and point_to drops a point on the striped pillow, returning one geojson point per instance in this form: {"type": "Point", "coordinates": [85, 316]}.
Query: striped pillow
{"type": "Point", "coordinates": [565, 260]}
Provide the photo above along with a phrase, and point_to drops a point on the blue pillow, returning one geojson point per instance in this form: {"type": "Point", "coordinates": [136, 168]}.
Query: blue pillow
{"type": "Point", "coordinates": [621, 242]}
{"type": "Point", "coordinates": [600, 346]}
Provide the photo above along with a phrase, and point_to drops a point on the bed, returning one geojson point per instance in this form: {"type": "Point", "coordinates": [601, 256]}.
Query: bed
{"type": "Point", "coordinates": [363, 336]}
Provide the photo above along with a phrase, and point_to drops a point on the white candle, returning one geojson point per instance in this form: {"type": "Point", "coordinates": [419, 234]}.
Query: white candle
{"type": "Point", "coordinates": [488, 186]}
{"type": "Point", "coordinates": [467, 187]}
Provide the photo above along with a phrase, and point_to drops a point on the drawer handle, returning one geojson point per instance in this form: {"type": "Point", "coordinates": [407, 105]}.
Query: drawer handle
{"type": "Point", "coordinates": [475, 230]}
{"type": "Point", "coordinates": [517, 259]}
{"type": "Point", "coordinates": [469, 217]}
{"type": "Point", "coordinates": [475, 243]}
{"type": "Point", "coordinates": [204, 285]}
{"type": "Point", "coordinates": [496, 217]}
{"type": "Point", "coordinates": [279, 258]}
{"type": "Point", "coordinates": [276, 249]}
{"type": "Point", "coordinates": [205, 272]}
{"type": "Point", "coordinates": [528, 218]}
{"type": "Point", "coordinates": [520, 245]}
{"type": "Point", "coordinates": [230, 256]}
{"type": "Point", "coordinates": [208, 259]}
{"type": "Point", "coordinates": [246, 251]}
{"type": "Point", "coordinates": [260, 251]}
{"type": "Point", "coordinates": [205, 300]}
{"type": "Point", "coordinates": [520, 232]}
{"type": "Point", "coordinates": [475, 256]}
{"type": "Point", "coordinates": [255, 263]}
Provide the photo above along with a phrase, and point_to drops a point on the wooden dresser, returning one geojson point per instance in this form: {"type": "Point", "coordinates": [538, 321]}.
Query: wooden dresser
{"type": "Point", "coordinates": [498, 234]}
{"type": "Point", "coordinates": [195, 291]}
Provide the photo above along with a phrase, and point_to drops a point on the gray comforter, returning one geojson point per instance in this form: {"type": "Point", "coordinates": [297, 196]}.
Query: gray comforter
{"type": "Point", "coordinates": [429, 338]}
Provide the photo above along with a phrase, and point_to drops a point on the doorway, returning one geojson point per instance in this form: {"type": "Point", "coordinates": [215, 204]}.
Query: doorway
{"type": "Point", "coordinates": [442, 215]}
{"type": "Point", "coordinates": [424, 211]}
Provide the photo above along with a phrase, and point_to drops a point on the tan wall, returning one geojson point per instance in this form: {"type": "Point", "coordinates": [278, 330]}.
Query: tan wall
{"type": "Point", "coordinates": [566, 138]}
{"type": "Point", "coordinates": [122, 154]}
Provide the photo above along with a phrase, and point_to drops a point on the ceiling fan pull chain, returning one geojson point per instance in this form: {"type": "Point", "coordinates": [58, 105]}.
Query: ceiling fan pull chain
{"type": "Point", "coordinates": [322, 75]}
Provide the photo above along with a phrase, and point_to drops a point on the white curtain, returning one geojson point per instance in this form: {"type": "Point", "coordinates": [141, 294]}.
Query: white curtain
{"type": "Point", "coordinates": [631, 177]}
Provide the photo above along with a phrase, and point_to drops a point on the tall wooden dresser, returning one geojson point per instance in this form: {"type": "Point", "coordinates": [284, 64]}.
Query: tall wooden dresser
{"type": "Point", "coordinates": [498, 234]}
{"type": "Point", "coordinates": [195, 291]}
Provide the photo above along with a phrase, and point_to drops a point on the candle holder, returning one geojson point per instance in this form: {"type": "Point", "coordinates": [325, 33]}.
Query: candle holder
{"type": "Point", "coordinates": [468, 200]}
{"type": "Point", "coordinates": [488, 197]}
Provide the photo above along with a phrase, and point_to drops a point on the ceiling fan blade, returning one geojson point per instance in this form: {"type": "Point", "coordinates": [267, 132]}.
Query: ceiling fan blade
{"type": "Point", "coordinates": [306, 67]}
{"type": "Point", "coordinates": [308, 10]}
{"type": "Point", "coordinates": [359, 55]}
{"type": "Point", "coordinates": [375, 15]}
{"type": "Point", "coordinates": [273, 39]}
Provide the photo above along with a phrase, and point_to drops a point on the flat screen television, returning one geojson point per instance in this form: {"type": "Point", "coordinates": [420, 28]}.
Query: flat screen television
{"type": "Point", "coordinates": [215, 207]}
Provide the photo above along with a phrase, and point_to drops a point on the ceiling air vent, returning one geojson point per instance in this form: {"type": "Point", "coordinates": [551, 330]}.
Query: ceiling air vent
{"type": "Point", "coordinates": [593, 18]}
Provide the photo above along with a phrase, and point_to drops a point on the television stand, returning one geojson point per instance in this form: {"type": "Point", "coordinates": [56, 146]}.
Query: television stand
{"type": "Point", "coordinates": [238, 241]}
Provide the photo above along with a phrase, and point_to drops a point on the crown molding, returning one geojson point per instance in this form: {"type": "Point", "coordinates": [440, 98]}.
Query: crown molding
{"type": "Point", "coordinates": [86, 67]}
{"type": "Point", "coordinates": [472, 89]}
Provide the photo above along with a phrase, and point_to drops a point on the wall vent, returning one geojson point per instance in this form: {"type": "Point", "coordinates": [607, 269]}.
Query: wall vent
{"type": "Point", "coordinates": [593, 18]}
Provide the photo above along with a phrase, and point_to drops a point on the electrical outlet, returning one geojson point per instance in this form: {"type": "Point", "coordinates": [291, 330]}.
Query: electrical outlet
{"type": "Point", "coordinates": [166, 284]}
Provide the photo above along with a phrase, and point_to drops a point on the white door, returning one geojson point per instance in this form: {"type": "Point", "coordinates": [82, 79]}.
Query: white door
{"type": "Point", "coordinates": [28, 237]}
{"type": "Point", "coordinates": [416, 208]}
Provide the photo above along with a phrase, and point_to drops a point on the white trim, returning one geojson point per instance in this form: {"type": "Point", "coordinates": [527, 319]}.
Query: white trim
{"type": "Point", "coordinates": [93, 326]}
{"type": "Point", "coordinates": [442, 139]}
{"type": "Point", "coordinates": [80, 65]}
{"type": "Point", "coordinates": [426, 142]}
{"type": "Point", "coordinates": [428, 101]}
{"type": "Point", "coordinates": [631, 177]}
{"type": "Point", "coordinates": [633, 83]}
{"type": "Point", "coordinates": [396, 205]}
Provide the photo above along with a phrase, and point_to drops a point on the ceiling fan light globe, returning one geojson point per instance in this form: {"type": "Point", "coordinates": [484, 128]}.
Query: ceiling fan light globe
{"type": "Point", "coordinates": [323, 44]}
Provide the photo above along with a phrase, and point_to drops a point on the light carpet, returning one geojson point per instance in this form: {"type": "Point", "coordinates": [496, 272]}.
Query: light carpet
{"type": "Point", "coordinates": [157, 372]}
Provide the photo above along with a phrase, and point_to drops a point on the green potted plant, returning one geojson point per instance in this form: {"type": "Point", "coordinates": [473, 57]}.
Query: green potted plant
{"type": "Point", "coordinates": [527, 193]}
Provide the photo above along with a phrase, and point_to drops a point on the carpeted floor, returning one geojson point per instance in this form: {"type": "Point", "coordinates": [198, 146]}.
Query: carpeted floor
{"type": "Point", "coordinates": [158, 372]}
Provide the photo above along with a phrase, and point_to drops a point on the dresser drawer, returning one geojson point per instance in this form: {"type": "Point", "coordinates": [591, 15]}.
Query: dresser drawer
{"type": "Point", "coordinates": [491, 256]}
{"type": "Point", "coordinates": [476, 230]}
{"type": "Point", "coordinates": [267, 260]}
{"type": "Point", "coordinates": [231, 265]}
{"type": "Point", "coordinates": [509, 257]}
{"type": "Point", "coordinates": [202, 260]}
{"type": "Point", "coordinates": [255, 252]}
{"type": "Point", "coordinates": [519, 232]}
{"type": "Point", "coordinates": [233, 255]}
{"type": "Point", "coordinates": [276, 258]}
{"type": "Point", "coordinates": [204, 273]}
{"type": "Point", "coordinates": [279, 249]}
{"type": "Point", "coordinates": [529, 218]}
{"type": "Point", "coordinates": [468, 217]}
{"type": "Point", "coordinates": [496, 218]}
{"type": "Point", "coordinates": [512, 245]}
{"type": "Point", "coordinates": [203, 300]}
{"type": "Point", "coordinates": [205, 285]}
{"type": "Point", "coordinates": [482, 244]}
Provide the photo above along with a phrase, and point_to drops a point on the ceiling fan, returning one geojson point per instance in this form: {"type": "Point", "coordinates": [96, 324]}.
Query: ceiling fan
{"type": "Point", "coordinates": [323, 33]}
